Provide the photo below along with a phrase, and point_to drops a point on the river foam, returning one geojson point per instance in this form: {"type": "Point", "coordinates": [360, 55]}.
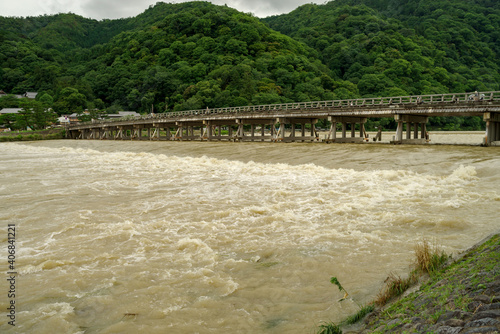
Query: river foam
{"type": "Point", "coordinates": [133, 241]}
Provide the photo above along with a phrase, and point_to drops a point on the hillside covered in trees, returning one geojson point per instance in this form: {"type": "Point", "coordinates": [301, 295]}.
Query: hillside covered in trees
{"type": "Point", "coordinates": [197, 55]}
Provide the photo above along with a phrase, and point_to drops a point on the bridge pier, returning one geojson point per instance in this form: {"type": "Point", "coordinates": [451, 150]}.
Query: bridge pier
{"type": "Point", "coordinates": [136, 132]}
{"type": "Point", "coordinates": [492, 136]}
{"type": "Point", "coordinates": [414, 122]}
{"type": "Point", "coordinates": [253, 135]}
{"type": "Point", "coordinates": [292, 137]}
{"type": "Point", "coordinates": [332, 135]}
{"type": "Point", "coordinates": [185, 131]}
{"type": "Point", "coordinates": [106, 133]}
{"type": "Point", "coordinates": [125, 132]}
{"type": "Point", "coordinates": [213, 130]}
{"type": "Point", "coordinates": [119, 133]}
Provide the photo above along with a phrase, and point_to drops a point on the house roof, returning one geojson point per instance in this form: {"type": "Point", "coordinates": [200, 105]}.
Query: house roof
{"type": "Point", "coordinates": [29, 95]}
{"type": "Point", "coordinates": [10, 110]}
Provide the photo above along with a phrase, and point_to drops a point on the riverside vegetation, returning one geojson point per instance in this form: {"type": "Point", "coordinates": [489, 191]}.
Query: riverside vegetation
{"type": "Point", "coordinates": [56, 133]}
{"type": "Point", "coordinates": [196, 55]}
{"type": "Point", "coordinates": [461, 296]}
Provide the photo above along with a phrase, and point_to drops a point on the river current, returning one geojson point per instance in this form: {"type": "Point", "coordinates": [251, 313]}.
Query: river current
{"type": "Point", "coordinates": [219, 237]}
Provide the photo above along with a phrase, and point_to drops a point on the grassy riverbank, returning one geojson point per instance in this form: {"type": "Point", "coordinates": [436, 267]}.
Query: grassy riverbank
{"type": "Point", "coordinates": [463, 297]}
{"type": "Point", "coordinates": [32, 135]}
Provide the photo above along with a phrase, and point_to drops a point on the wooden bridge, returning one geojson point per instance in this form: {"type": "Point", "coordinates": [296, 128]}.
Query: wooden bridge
{"type": "Point", "coordinates": [292, 122]}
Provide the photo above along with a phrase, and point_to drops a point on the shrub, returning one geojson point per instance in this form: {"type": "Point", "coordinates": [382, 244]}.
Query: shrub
{"type": "Point", "coordinates": [429, 259]}
{"type": "Point", "coordinates": [394, 286]}
{"type": "Point", "coordinates": [329, 328]}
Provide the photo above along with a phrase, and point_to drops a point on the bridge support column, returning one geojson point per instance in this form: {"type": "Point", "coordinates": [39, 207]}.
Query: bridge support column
{"type": "Point", "coordinates": [190, 132]}
{"type": "Point", "coordinates": [209, 130]}
{"type": "Point", "coordinates": [179, 132]}
{"type": "Point", "coordinates": [213, 130]}
{"type": "Point", "coordinates": [103, 133]}
{"type": "Point", "coordinates": [280, 133]}
{"type": "Point", "coordinates": [492, 136]}
{"type": "Point", "coordinates": [412, 123]}
{"type": "Point", "coordinates": [292, 137]}
{"type": "Point", "coordinates": [155, 134]}
{"type": "Point", "coordinates": [240, 133]}
{"type": "Point", "coordinates": [219, 132]}
{"type": "Point", "coordinates": [254, 133]}
{"type": "Point", "coordinates": [119, 133]}
{"type": "Point", "coordinates": [332, 135]}
{"type": "Point", "coordinates": [168, 134]}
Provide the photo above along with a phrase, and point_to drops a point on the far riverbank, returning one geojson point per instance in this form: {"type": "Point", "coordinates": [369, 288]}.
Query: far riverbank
{"type": "Point", "coordinates": [56, 133]}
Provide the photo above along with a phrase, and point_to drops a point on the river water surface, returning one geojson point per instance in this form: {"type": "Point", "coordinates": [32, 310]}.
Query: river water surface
{"type": "Point", "coordinates": [190, 237]}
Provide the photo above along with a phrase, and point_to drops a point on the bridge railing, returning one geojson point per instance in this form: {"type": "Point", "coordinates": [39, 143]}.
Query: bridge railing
{"type": "Point", "coordinates": [322, 105]}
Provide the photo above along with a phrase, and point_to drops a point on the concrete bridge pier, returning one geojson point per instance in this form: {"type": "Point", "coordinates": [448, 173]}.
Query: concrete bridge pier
{"type": "Point", "coordinates": [345, 121]}
{"type": "Point", "coordinates": [168, 134]}
{"type": "Point", "coordinates": [137, 132]}
{"type": "Point", "coordinates": [292, 137]}
{"type": "Point", "coordinates": [185, 130]}
{"type": "Point", "coordinates": [155, 133]}
{"type": "Point", "coordinates": [254, 135]}
{"type": "Point", "coordinates": [413, 124]}
{"type": "Point", "coordinates": [492, 136]}
{"type": "Point", "coordinates": [125, 132]}
{"type": "Point", "coordinates": [119, 133]}
{"type": "Point", "coordinates": [108, 132]}
{"type": "Point", "coordinates": [213, 130]}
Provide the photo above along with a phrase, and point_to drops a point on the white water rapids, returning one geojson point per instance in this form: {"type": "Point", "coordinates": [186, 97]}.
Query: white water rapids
{"type": "Point", "coordinates": [190, 237]}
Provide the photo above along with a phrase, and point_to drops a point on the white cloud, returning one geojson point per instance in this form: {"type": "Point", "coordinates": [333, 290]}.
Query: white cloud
{"type": "Point", "coordinates": [112, 9]}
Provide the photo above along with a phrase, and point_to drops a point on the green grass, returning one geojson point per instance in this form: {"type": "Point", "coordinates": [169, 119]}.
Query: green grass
{"type": "Point", "coordinates": [359, 315]}
{"type": "Point", "coordinates": [329, 328]}
{"type": "Point", "coordinates": [434, 297]}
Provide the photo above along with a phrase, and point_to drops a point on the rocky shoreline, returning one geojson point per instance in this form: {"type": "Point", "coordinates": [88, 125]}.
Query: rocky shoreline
{"type": "Point", "coordinates": [463, 298]}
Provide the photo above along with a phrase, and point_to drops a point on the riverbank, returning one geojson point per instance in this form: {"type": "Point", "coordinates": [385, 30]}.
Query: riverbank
{"type": "Point", "coordinates": [57, 133]}
{"type": "Point", "coordinates": [464, 297]}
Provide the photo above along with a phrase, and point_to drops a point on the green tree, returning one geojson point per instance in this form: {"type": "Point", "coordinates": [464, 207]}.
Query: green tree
{"type": "Point", "coordinates": [34, 115]}
{"type": "Point", "coordinates": [9, 121]}
{"type": "Point", "coordinates": [70, 101]}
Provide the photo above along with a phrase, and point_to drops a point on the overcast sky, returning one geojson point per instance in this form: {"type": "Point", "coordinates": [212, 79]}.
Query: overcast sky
{"type": "Point", "coordinates": [112, 9]}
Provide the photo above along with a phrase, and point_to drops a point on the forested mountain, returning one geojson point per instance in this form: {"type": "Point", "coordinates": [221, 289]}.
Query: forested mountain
{"type": "Point", "coordinates": [197, 55]}
{"type": "Point", "coordinates": [183, 56]}
{"type": "Point", "coordinates": [403, 46]}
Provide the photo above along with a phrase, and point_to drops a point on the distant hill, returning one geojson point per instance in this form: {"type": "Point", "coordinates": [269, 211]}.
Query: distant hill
{"type": "Point", "coordinates": [403, 46]}
{"type": "Point", "coordinates": [171, 57]}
